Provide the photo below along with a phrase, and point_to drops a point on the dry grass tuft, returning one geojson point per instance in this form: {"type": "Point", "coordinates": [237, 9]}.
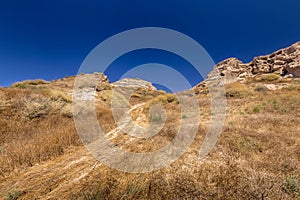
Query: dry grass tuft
{"type": "Point", "coordinates": [67, 111]}
{"type": "Point", "coordinates": [267, 78]}
{"type": "Point", "coordinates": [292, 185]}
{"type": "Point", "coordinates": [29, 84]}
{"type": "Point", "coordinates": [237, 90]}
{"type": "Point", "coordinates": [161, 99]}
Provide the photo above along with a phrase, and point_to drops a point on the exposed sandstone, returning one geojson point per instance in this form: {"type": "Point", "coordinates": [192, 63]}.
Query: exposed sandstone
{"type": "Point", "coordinates": [134, 83]}
{"type": "Point", "coordinates": [284, 62]}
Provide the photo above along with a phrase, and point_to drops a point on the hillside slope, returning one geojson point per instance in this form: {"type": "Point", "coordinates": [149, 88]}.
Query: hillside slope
{"type": "Point", "coordinates": [256, 157]}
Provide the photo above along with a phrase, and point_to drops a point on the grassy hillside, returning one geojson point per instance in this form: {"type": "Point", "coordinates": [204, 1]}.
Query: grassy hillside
{"type": "Point", "coordinates": [256, 157]}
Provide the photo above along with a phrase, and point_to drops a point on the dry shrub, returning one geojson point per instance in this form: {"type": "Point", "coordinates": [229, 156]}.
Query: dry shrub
{"type": "Point", "coordinates": [56, 95]}
{"type": "Point", "coordinates": [29, 83]}
{"type": "Point", "coordinates": [36, 106]}
{"type": "Point", "coordinates": [67, 111]}
{"type": "Point", "coordinates": [14, 195]}
{"type": "Point", "coordinates": [142, 95]}
{"type": "Point", "coordinates": [237, 90]}
{"type": "Point", "coordinates": [260, 88]}
{"type": "Point", "coordinates": [43, 103]}
{"type": "Point", "coordinates": [292, 185]}
{"type": "Point", "coordinates": [245, 144]}
{"type": "Point", "coordinates": [163, 99]}
{"type": "Point", "coordinates": [267, 78]}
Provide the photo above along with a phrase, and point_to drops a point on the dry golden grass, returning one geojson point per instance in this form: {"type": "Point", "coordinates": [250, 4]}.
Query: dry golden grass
{"type": "Point", "coordinates": [237, 90]}
{"type": "Point", "coordinates": [35, 142]}
{"type": "Point", "coordinates": [38, 126]}
{"type": "Point", "coordinates": [142, 95]}
{"type": "Point", "coordinates": [32, 130]}
{"type": "Point", "coordinates": [67, 111]}
{"type": "Point", "coordinates": [29, 84]}
{"type": "Point", "coordinates": [257, 156]}
{"type": "Point", "coordinates": [267, 78]}
{"type": "Point", "coordinates": [161, 99]}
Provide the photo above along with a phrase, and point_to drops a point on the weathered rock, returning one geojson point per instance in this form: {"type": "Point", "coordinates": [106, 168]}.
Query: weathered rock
{"type": "Point", "coordinates": [279, 62]}
{"type": "Point", "coordinates": [294, 70]}
{"type": "Point", "coordinates": [289, 76]}
{"type": "Point", "coordinates": [282, 62]}
{"type": "Point", "coordinates": [134, 83]}
{"type": "Point", "coordinates": [230, 70]}
{"type": "Point", "coordinates": [96, 80]}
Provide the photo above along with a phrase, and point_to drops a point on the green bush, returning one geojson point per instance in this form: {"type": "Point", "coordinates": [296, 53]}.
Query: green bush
{"type": "Point", "coordinates": [22, 86]}
{"type": "Point", "coordinates": [14, 195]}
{"type": "Point", "coordinates": [292, 185]}
{"type": "Point", "coordinates": [256, 109]}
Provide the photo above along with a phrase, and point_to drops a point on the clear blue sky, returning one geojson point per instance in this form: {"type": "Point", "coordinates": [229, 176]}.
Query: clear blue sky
{"type": "Point", "coordinates": [50, 39]}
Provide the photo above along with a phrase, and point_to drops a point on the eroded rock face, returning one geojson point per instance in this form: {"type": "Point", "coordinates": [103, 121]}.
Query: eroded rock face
{"type": "Point", "coordinates": [282, 62]}
{"type": "Point", "coordinates": [230, 70]}
{"type": "Point", "coordinates": [294, 70]}
{"type": "Point", "coordinates": [96, 80]}
{"type": "Point", "coordinates": [134, 83]}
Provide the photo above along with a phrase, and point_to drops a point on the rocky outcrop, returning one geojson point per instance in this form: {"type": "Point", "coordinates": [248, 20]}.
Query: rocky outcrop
{"type": "Point", "coordinates": [96, 80]}
{"type": "Point", "coordinates": [284, 62]}
{"type": "Point", "coordinates": [230, 70]}
{"type": "Point", "coordinates": [134, 83]}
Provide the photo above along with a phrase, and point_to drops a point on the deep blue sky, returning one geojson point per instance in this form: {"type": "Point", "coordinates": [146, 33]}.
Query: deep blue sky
{"type": "Point", "coordinates": [50, 39]}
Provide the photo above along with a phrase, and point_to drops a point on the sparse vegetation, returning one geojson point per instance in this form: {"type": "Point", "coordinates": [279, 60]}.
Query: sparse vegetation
{"type": "Point", "coordinates": [256, 109]}
{"type": "Point", "coordinates": [163, 99]}
{"type": "Point", "coordinates": [155, 118]}
{"type": "Point", "coordinates": [292, 185]}
{"type": "Point", "coordinates": [237, 90]}
{"type": "Point", "coordinates": [56, 95]}
{"type": "Point", "coordinates": [42, 103]}
{"type": "Point", "coordinates": [283, 103]}
{"type": "Point", "coordinates": [29, 84]}
{"type": "Point", "coordinates": [267, 78]}
{"type": "Point", "coordinates": [67, 111]}
{"type": "Point", "coordinates": [260, 88]}
{"type": "Point", "coordinates": [257, 156]}
{"type": "Point", "coordinates": [246, 144]}
{"type": "Point", "coordinates": [14, 195]}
